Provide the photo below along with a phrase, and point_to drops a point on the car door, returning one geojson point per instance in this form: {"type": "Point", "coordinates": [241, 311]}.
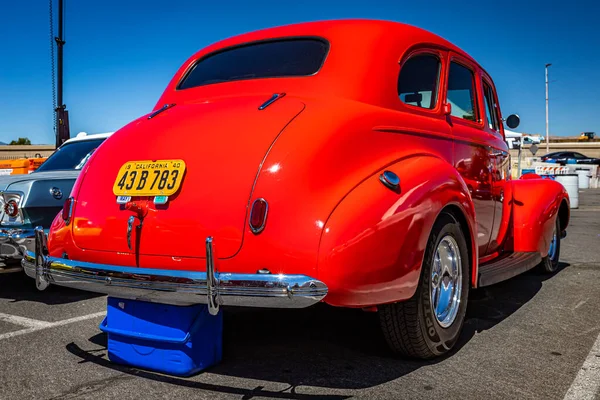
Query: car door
{"type": "Point", "coordinates": [472, 153]}
{"type": "Point", "coordinates": [501, 188]}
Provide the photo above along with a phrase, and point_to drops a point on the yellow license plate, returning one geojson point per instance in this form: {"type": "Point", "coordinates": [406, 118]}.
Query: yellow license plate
{"type": "Point", "coordinates": [149, 178]}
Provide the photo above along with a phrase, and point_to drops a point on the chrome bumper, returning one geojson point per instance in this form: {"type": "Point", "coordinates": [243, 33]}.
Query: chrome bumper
{"type": "Point", "coordinates": [171, 286]}
{"type": "Point", "coordinates": [15, 242]}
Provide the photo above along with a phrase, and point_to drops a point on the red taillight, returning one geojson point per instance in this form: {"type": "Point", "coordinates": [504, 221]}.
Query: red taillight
{"type": "Point", "coordinates": [11, 208]}
{"type": "Point", "coordinates": [67, 210]}
{"type": "Point", "coordinates": [258, 215]}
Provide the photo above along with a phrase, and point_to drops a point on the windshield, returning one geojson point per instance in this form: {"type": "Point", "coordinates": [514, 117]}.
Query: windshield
{"type": "Point", "coordinates": [72, 156]}
{"type": "Point", "coordinates": [272, 59]}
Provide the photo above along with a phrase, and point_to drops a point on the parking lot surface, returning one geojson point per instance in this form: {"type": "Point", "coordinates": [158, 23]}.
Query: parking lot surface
{"type": "Point", "coordinates": [535, 336]}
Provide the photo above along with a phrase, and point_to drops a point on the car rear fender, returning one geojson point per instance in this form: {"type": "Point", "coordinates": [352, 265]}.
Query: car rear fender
{"type": "Point", "coordinates": [373, 243]}
{"type": "Point", "coordinates": [536, 204]}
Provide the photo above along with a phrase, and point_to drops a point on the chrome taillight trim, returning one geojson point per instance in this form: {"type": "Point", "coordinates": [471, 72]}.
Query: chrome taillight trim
{"type": "Point", "coordinates": [5, 197]}
{"type": "Point", "coordinates": [15, 206]}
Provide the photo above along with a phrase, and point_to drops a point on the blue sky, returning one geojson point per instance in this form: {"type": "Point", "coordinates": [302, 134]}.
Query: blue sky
{"type": "Point", "coordinates": [120, 54]}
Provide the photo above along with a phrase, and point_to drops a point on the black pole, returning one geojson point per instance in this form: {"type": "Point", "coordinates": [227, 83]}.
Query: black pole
{"type": "Point", "coordinates": [62, 120]}
{"type": "Point", "coordinates": [60, 44]}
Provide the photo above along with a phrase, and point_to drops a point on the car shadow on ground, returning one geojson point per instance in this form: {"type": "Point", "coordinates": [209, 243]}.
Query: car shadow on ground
{"type": "Point", "coordinates": [324, 346]}
{"type": "Point", "coordinates": [17, 286]}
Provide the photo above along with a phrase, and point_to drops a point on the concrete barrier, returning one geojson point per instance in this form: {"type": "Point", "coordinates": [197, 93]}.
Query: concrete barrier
{"type": "Point", "coordinates": [25, 151]}
{"type": "Point", "coordinates": [590, 149]}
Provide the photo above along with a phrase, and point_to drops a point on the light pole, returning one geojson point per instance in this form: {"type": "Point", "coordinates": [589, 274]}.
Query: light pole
{"type": "Point", "coordinates": [547, 130]}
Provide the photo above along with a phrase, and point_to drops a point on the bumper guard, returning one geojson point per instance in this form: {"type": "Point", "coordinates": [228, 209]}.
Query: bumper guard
{"type": "Point", "coordinates": [171, 286]}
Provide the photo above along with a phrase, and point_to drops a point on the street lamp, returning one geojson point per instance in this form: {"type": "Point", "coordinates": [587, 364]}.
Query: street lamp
{"type": "Point", "coordinates": [547, 131]}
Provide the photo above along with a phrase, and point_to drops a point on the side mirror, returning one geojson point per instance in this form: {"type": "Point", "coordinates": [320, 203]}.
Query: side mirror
{"type": "Point", "coordinates": [513, 121]}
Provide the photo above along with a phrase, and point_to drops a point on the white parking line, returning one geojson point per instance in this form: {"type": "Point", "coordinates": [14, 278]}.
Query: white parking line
{"type": "Point", "coordinates": [28, 322]}
{"type": "Point", "coordinates": [587, 382]}
{"type": "Point", "coordinates": [34, 325]}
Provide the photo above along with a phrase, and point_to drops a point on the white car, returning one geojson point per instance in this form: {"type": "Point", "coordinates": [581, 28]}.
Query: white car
{"type": "Point", "coordinates": [527, 139]}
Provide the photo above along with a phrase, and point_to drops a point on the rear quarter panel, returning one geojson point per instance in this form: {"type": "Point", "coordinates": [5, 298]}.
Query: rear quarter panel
{"type": "Point", "coordinates": [373, 244]}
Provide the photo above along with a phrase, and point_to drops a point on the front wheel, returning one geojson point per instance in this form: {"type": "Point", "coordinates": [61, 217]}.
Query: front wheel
{"type": "Point", "coordinates": [549, 263]}
{"type": "Point", "coordinates": [429, 324]}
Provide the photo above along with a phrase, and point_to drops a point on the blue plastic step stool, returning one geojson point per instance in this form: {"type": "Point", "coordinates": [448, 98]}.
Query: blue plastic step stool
{"type": "Point", "coordinates": [177, 340]}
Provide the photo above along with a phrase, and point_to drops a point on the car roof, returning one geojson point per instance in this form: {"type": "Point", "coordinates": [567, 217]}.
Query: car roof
{"type": "Point", "coordinates": [369, 30]}
{"type": "Point", "coordinates": [81, 136]}
{"type": "Point", "coordinates": [374, 48]}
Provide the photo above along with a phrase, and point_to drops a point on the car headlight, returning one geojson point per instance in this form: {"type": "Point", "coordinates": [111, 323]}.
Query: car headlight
{"type": "Point", "coordinates": [10, 208]}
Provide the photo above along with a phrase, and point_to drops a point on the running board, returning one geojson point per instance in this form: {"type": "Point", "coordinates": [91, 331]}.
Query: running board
{"type": "Point", "coordinates": [507, 267]}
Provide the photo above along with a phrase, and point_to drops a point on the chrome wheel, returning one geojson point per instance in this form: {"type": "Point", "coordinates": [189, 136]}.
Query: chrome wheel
{"type": "Point", "coordinates": [552, 250]}
{"type": "Point", "coordinates": [446, 281]}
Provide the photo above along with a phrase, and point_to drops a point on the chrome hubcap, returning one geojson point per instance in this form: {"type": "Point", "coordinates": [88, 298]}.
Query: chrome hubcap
{"type": "Point", "coordinates": [552, 251]}
{"type": "Point", "coordinates": [446, 281]}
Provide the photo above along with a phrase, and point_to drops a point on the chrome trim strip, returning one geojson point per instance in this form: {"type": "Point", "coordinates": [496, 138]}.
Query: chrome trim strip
{"type": "Point", "coordinates": [276, 96]}
{"type": "Point", "coordinates": [163, 108]}
{"type": "Point", "coordinates": [173, 286]}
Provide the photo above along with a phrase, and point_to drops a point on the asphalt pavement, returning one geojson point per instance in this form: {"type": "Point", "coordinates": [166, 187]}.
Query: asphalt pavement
{"type": "Point", "coordinates": [535, 336]}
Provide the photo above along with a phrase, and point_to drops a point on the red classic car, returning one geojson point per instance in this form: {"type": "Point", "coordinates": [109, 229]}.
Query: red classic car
{"type": "Point", "coordinates": [355, 162]}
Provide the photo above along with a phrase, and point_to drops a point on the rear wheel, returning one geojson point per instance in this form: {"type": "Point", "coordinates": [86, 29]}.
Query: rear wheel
{"type": "Point", "coordinates": [429, 323]}
{"type": "Point", "coordinates": [549, 263]}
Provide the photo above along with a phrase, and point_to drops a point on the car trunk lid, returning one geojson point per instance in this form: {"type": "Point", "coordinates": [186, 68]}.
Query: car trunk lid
{"type": "Point", "coordinates": [223, 144]}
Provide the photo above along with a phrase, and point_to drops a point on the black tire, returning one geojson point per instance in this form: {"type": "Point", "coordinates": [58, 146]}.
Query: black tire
{"type": "Point", "coordinates": [411, 328]}
{"type": "Point", "coordinates": [549, 263]}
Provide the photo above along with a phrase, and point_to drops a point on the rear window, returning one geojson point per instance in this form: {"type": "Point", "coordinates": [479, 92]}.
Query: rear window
{"type": "Point", "coordinates": [273, 59]}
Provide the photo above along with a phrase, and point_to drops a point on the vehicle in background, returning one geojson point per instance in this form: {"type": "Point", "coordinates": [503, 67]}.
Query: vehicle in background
{"type": "Point", "coordinates": [513, 139]}
{"type": "Point", "coordinates": [278, 169]}
{"type": "Point", "coordinates": [34, 199]}
{"type": "Point", "coordinates": [569, 157]}
{"type": "Point", "coordinates": [528, 139]}
{"type": "Point", "coordinates": [587, 136]}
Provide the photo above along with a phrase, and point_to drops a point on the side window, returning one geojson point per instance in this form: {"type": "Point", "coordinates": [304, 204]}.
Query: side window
{"type": "Point", "coordinates": [461, 92]}
{"type": "Point", "coordinates": [418, 81]}
{"type": "Point", "coordinates": [491, 116]}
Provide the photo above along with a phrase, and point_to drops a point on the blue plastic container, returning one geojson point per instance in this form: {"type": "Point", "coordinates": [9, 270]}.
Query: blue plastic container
{"type": "Point", "coordinates": [177, 340]}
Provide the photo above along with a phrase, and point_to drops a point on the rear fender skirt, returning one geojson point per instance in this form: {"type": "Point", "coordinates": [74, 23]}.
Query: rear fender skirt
{"type": "Point", "coordinates": [536, 204]}
{"type": "Point", "coordinates": [373, 243]}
